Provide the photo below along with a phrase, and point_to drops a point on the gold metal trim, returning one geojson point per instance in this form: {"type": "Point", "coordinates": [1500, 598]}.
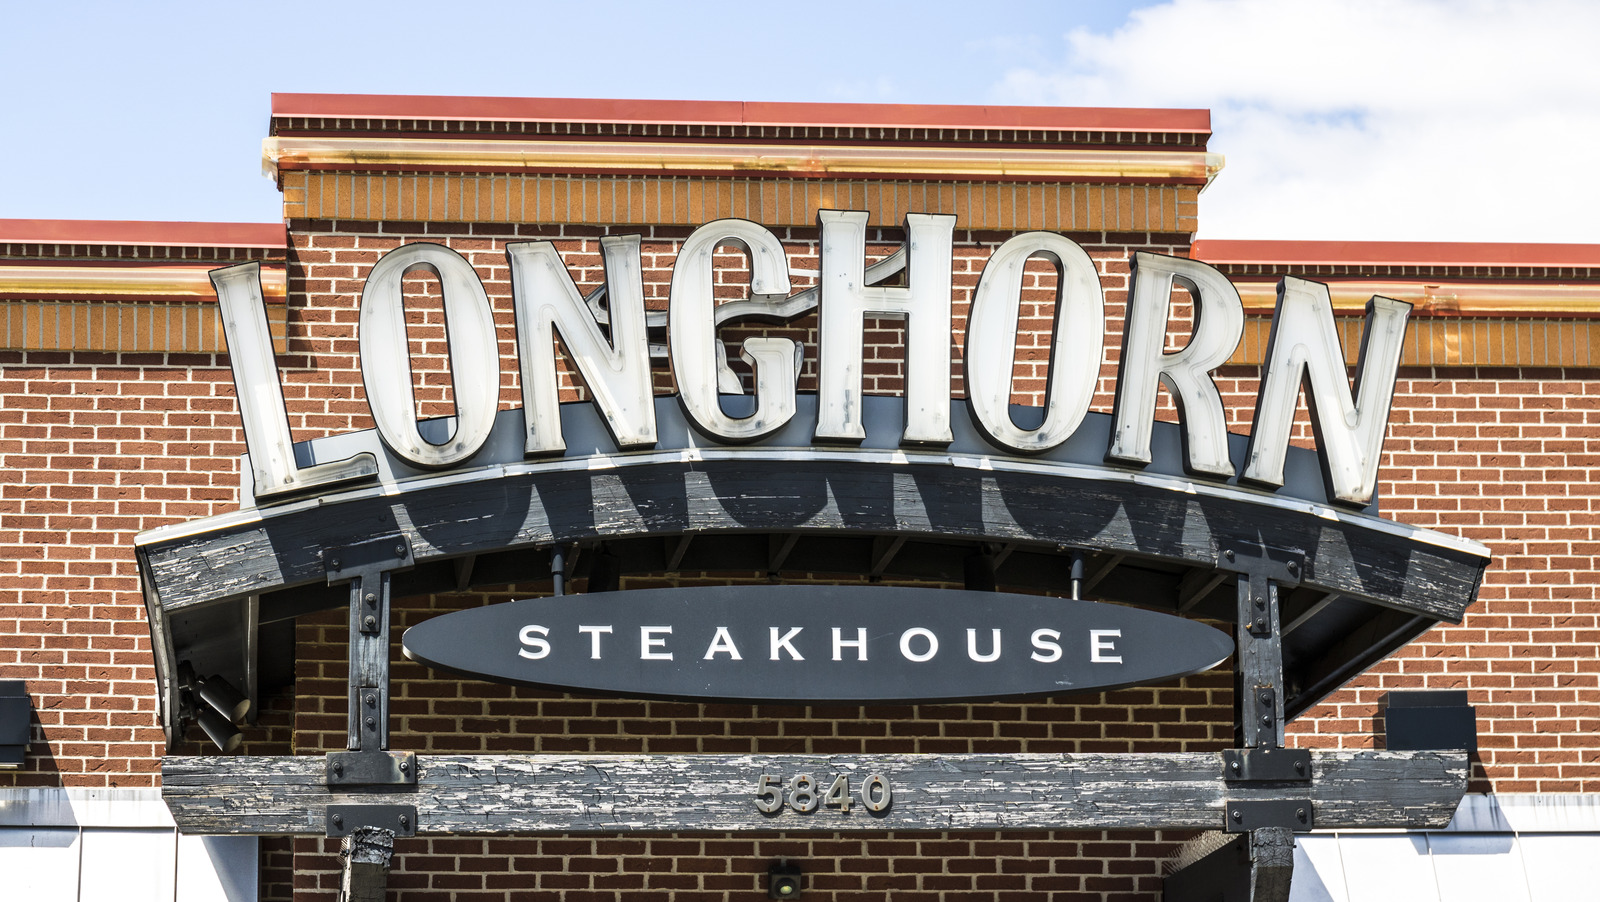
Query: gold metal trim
{"type": "Point", "coordinates": [742, 159]}
{"type": "Point", "coordinates": [173, 281]}
{"type": "Point", "coordinates": [1509, 299]}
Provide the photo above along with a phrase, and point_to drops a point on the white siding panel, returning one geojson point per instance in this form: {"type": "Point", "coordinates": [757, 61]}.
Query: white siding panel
{"type": "Point", "coordinates": [1478, 867]}
{"type": "Point", "coordinates": [1561, 867]}
{"type": "Point", "coordinates": [1318, 870]}
{"type": "Point", "coordinates": [217, 869]}
{"type": "Point", "coordinates": [128, 865]}
{"type": "Point", "coordinates": [39, 864]}
{"type": "Point", "coordinates": [1388, 867]}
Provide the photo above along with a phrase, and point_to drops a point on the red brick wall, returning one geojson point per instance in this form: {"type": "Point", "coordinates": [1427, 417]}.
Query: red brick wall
{"type": "Point", "coordinates": [95, 447]}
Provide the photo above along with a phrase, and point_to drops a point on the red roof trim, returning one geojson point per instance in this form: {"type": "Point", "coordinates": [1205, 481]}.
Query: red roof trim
{"type": "Point", "coordinates": [719, 112]}
{"type": "Point", "coordinates": [124, 232]}
{"type": "Point", "coordinates": [1395, 253]}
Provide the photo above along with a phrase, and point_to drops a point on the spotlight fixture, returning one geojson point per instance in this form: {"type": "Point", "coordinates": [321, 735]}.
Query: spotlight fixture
{"type": "Point", "coordinates": [223, 708]}
{"type": "Point", "coordinates": [221, 695]}
{"type": "Point", "coordinates": [783, 881]}
{"type": "Point", "coordinates": [221, 731]}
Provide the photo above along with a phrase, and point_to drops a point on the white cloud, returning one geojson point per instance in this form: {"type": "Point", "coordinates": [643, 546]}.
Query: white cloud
{"type": "Point", "coordinates": [1355, 119]}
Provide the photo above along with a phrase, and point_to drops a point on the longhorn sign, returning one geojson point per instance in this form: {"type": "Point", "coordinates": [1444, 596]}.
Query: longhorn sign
{"type": "Point", "coordinates": [1303, 348]}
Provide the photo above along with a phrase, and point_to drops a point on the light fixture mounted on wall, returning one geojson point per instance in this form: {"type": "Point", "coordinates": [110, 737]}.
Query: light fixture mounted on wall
{"type": "Point", "coordinates": [783, 881]}
{"type": "Point", "coordinates": [224, 708]}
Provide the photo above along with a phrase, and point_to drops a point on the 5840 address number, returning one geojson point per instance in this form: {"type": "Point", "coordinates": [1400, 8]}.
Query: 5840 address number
{"type": "Point", "coordinates": [804, 794]}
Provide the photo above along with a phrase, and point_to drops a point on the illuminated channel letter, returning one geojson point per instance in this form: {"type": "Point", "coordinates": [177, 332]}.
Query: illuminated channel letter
{"type": "Point", "coordinates": [692, 332]}
{"type": "Point", "coordinates": [1218, 325]}
{"type": "Point", "coordinates": [261, 407]}
{"type": "Point", "coordinates": [844, 302]}
{"type": "Point", "coordinates": [1075, 345]}
{"type": "Point", "coordinates": [617, 373]}
{"type": "Point", "coordinates": [1304, 347]}
{"type": "Point", "coordinates": [386, 356]}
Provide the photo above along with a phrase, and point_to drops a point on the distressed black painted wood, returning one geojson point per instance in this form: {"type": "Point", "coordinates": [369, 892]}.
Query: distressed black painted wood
{"type": "Point", "coordinates": [463, 794]}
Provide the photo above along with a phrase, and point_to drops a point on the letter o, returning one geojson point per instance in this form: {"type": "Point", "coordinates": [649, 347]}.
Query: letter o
{"type": "Point", "coordinates": [386, 356]}
{"type": "Point", "coordinates": [905, 644]}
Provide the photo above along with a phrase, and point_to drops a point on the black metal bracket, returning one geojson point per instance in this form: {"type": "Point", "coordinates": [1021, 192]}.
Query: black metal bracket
{"type": "Point", "coordinates": [1266, 765]}
{"type": "Point", "coordinates": [343, 820]}
{"type": "Point", "coordinates": [1293, 814]}
{"type": "Point", "coordinates": [1261, 564]}
{"type": "Point", "coordinates": [386, 553]}
{"type": "Point", "coordinates": [372, 768]}
{"type": "Point", "coordinates": [1266, 709]}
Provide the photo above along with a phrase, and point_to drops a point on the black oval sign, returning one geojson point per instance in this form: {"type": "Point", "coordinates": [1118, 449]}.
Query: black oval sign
{"type": "Point", "coordinates": [816, 644]}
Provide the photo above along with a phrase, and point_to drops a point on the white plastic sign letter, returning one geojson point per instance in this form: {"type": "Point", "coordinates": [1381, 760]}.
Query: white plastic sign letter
{"type": "Point", "coordinates": [1218, 325]}
{"type": "Point", "coordinates": [386, 357]}
{"type": "Point", "coordinates": [1304, 347]}
{"type": "Point", "coordinates": [846, 299]}
{"type": "Point", "coordinates": [692, 332]}
{"type": "Point", "coordinates": [1075, 345]}
{"type": "Point", "coordinates": [261, 407]}
{"type": "Point", "coordinates": [617, 374]}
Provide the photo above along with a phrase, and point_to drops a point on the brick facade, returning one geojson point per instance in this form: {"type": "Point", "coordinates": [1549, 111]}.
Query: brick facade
{"type": "Point", "coordinates": [101, 439]}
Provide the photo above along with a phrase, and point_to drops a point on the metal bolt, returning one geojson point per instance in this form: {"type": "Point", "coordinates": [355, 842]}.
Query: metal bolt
{"type": "Point", "coordinates": [405, 767]}
{"type": "Point", "coordinates": [1236, 815]}
{"type": "Point", "coordinates": [334, 563]}
{"type": "Point", "coordinates": [1301, 814]}
{"type": "Point", "coordinates": [1266, 720]}
{"type": "Point", "coordinates": [1260, 601]}
{"type": "Point", "coordinates": [372, 723]}
{"type": "Point", "coordinates": [1228, 554]}
{"type": "Point", "coordinates": [372, 599]}
{"type": "Point", "coordinates": [338, 821]}
{"type": "Point", "coordinates": [1266, 698]}
{"type": "Point", "coordinates": [372, 701]}
{"type": "Point", "coordinates": [1299, 767]}
{"type": "Point", "coordinates": [338, 768]}
{"type": "Point", "coordinates": [1257, 624]}
{"type": "Point", "coordinates": [405, 821]}
{"type": "Point", "coordinates": [370, 622]}
{"type": "Point", "coordinates": [399, 551]}
{"type": "Point", "coordinates": [1294, 568]}
{"type": "Point", "coordinates": [1235, 766]}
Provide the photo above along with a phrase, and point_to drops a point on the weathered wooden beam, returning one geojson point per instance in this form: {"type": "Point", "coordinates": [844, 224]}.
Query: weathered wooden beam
{"type": "Point", "coordinates": [643, 793]}
{"type": "Point", "coordinates": [476, 512]}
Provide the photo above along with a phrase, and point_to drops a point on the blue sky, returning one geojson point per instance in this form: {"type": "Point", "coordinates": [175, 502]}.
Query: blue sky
{"type": "Point", "coordinates": [1403, 119]}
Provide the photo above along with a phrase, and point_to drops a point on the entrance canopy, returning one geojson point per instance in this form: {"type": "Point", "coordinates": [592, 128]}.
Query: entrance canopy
{"type": "Point", "coordinates": [1352, 587]}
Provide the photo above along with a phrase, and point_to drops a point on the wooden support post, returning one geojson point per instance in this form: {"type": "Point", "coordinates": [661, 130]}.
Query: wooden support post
{"type": "Point", "coordinates": [1271, 864]}
{"type": "Point", "coordinates": [1260, 639]}
{"type": "Point", "coordinates": [364, 863]}
{"type": "Point", "coordinates": [1254, 867]}
{"type": "Point", "coordinates": [367, 566]}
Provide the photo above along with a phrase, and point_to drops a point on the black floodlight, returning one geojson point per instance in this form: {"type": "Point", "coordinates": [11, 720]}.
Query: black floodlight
{"type": "Point", "coordinates": [221, 730]}
{"type": "Point", "coordinates": [783, 881]}
{"type": "Point", "coordinates": [224, 706]}
{"type": "Point", "coordinates": [15, 712]}
{"type": "Point", "coordinates": [221, 695]}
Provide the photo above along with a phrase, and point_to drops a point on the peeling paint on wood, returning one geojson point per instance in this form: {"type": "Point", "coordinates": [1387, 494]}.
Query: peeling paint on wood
{"type": "Point", "coordinates": [460, 794]}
